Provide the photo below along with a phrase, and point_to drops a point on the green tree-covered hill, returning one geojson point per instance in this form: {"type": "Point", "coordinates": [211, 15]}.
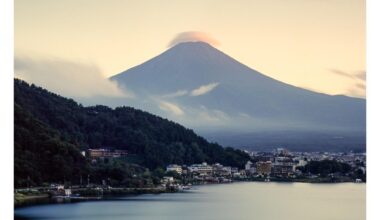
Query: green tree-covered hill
{"type": "Point", "coordinates": [50, 131]}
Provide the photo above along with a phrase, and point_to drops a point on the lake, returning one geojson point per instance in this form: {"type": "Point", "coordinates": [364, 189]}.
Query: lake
{"type": "Point", "coordinates": [250, 200]}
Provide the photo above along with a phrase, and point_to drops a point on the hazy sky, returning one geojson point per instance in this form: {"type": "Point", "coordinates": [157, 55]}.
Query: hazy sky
{"type": "Point", "coordinates": [315, 44]}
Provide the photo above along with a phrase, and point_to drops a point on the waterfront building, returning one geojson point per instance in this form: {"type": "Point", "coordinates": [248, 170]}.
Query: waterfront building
{"type": "Point", "coordinates": [283, 166]}
{"type": "Point", "coordinates": [175, 168]}
{"type": "Point", "coordinates": [234, 170]}
{"type": "Point", "coordinates": [167, 179]}
{"type": "Point", "coordinates": [248, 165]}
{"type": "Point", "coordinates": [264, 168]}
{"type": "Point", "coordinates": [67, 192]}
{"type": "Point", "coordinates": [202, 169]}
{"type": "Point", "coordinates": [282, 170]}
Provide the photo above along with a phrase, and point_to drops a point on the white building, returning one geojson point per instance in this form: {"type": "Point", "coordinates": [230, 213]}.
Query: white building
{"type": "Point", "coordinates": [175, 168]}
{"type": "Point", "coordinates": [248, 165]}
{"type": "Point", "coordinates": [203, 169]}
{"type": "Point", "coordinates": [301, 163]}
{"type": "Point", "coordinates": [67, 192]}
{"type": "Point", "coordinates": [167, 179]}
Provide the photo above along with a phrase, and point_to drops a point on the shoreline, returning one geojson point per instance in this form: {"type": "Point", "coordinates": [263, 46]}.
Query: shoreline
{"type": "Point", "coordinates": [22, 200]}
{"type": "Point", "coordinates": [90, 194]}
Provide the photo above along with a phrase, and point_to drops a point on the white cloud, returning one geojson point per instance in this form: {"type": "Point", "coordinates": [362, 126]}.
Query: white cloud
{"type": "Point", "coordinates": [176, 94]}
{"type": "Point", "coordinates": [171, 108]}
{"type": "Point", "coordinates": [244, 115]}
{"type": "Point", "coordinates": [203, 114]}
{"type": "Point", "coordinates": [204, 89]}
{"type": "Point", "coordinates": [67, 78]}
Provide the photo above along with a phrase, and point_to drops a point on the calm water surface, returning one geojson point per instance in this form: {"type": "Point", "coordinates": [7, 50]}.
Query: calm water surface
{"type": "Point", "coordinates": [258, 201]}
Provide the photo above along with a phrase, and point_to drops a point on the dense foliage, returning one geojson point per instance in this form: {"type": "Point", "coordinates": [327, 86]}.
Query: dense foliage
{"type": "Point", "coordinates": [40, 153]}
{"type": "Point", "coordinates": [325, 167]}
{"type": "Point", "coordinates": [50, 130]}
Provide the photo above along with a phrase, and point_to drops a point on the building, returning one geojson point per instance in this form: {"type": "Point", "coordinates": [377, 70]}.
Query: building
{"type": "Point", "coordinates": [175, 168]}
{"type": "Point", "coordinates": [300, 161]}
{"type": "Point", "coordinates": [264, 168]}
{"type": "Point", "coordinates": [67, 192]}
{"type": "Point", "coordinates": [281, 151]}
{"type": "Point", "coordinates": [106, 153]}
{"type": "Point", "coordinates": [120, 153]}
{"type": "Point", "coordinates": [202, 169]}
{"type": "Point", "coordinates": [167, 180]}
{"type": "Point", "coordinates": [234, 170]}
{"type": "Point", "coordinates": [282, 170]}
{"type": "Point", "coordinates": [96, 153]}
{"type": "Point", "coordinates": [283, 166]}
{"type": "Point", "coordinates": [283, 161]}
{"type": "Point", "coordinates": [248, 165]}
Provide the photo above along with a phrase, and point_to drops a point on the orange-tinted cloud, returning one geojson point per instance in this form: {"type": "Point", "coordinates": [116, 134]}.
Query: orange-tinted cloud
{"type": "Point", "coordinates": [193, 36]}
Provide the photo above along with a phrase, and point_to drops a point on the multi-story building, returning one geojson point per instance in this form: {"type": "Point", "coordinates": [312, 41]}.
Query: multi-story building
{"type": "Point", "coordinates": [175, 168]}
{"type": "Point", "coordinates": [105, 153]}
{"type": "Point", "coordinates": [220, 170]}
{"type": "Point", "coordinates": [282, 170]}
{"type": "Point", "coordinates": [264, 168]}
{"type": "Point", "coordinates": [283, 166]}
{"type": "Point", "coordinates": [202, 169]}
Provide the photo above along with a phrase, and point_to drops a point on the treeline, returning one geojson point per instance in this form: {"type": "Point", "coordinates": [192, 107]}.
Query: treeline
{"type": "Point", "coordinates": [325, 167]}
{"type": "Point", "coordinates": [50, 131]}
{"type": "Point", "coordinates": [41, 155]}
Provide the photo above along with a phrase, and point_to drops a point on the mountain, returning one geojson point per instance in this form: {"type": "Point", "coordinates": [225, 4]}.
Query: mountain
{"type": "Point", "coordinates": [201, 87]}
{"type": "Point", "coordinates": [50, 131]}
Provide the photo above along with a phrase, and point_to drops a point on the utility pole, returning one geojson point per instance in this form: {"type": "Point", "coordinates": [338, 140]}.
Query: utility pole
{"type": "Point", "coordinates": [88, 180]}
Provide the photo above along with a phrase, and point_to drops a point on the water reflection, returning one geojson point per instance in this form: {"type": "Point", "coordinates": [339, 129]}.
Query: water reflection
{"type": "Point", "coordinates": [261, 201]}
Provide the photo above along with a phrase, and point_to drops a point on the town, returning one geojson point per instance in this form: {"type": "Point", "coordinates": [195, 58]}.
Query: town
{"type": "Point", "coordinates": [278, 165]}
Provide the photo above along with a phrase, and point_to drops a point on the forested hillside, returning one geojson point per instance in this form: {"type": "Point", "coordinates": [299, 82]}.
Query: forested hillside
{"type": "Point", "coordinates": [50, 131]}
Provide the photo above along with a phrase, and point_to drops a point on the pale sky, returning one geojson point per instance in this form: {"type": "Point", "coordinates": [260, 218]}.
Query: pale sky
{"type": "Point", "coordinates": [315, 44]}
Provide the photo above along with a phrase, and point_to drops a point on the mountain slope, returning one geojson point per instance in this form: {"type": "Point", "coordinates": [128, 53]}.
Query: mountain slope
{"type": "Point", "coordinates": [50, 130]}
{"type": "Point", "coordinates": [201, 87]}
{"type": "Point", "coordinates": [41, 154]}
